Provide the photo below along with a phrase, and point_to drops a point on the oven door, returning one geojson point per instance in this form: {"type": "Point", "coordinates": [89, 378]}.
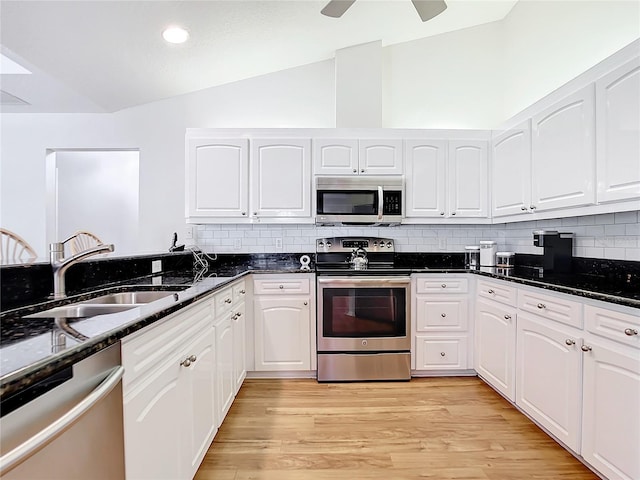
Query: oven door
{"type": "Point", "coordinates": [363, 313]}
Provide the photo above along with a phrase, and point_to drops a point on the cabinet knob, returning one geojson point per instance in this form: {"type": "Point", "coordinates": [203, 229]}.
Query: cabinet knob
{"type": "Point", "coordinates": [570, 342]}
{"type": "Point", "coordinates": [234, 316]}
{"type": "Point", "coordinates": [453, 213]}
{"type": "Point", "coordinates": [185, 363]}
{"type": "Point", "coordinates": [193, 358]}
{"type": "Point", "coordinates": [444, 285]}
{"type": "Point", "coordinates": [507, 317]}
{"type": "Point", "coordinates": [242, 292]}
{"type": "Point", "coordinates": [281, 287]}
{"type": "Point", "coordinates": [255, 214]}
{"type": "Point", "coordinates": [362, 171]}
{"type": "Point", "coordinates": [585, 348]}
{"type": "Point", "coordinates": [441, 213]}
{"type": "Point", "coordinates": [442, 354]}
{"type": "Point", "coordinates": [443, 315]}
{"type": "Point", "coordinates": [227, 300]}
{"type": "Point", "coordinates": [630, 331]}
{"type": "Point", "coordinates": [244, 213]}
{"type": "Point", "coordinates": [355, 170]}
{"type": "Point", "coordinates": [239, 314]}
{"type": "Point", "coordinates": [524, 209]}
{"type": "Point", "coordinates": [541, 306]}
{"type": "Point", "coordinates": [306, 303]}
{"type": "Point", "coordinates": [532, 207]}
{"type": "Point", "coordinates": [491, 292]}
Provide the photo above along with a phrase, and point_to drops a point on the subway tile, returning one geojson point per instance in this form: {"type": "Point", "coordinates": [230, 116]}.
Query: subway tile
{"type": "Point", "coordinates": [604, 219]}
{"type": "Point", "coordinates": [632, 229]}
{"type": "Point", "coordinates": [594, 231]}
{"type": "Point", "coordinates": [626, 217]}
{"type": "Point", "coordinates": [568, 222]}
{"type": "Point", "coordinates": [615, 229]}
{"type": "Point", "coordinates": [595, 252]}
{"type": "Point", "coordinates": [632, 254]}
{"type": "Point", "coordinates": [626, 242]}
{"type": "Point", "coordinates": [586, 220]}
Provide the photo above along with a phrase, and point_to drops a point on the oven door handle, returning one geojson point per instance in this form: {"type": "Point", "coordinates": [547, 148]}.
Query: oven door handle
{"type": "Point", "coordinates": [380, 202]}
{"type": "Point", "coordinates": [377, 280]}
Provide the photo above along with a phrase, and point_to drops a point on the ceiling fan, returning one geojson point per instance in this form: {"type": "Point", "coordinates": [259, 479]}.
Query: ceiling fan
{"type": "Point", "coordinates": [427, 9]}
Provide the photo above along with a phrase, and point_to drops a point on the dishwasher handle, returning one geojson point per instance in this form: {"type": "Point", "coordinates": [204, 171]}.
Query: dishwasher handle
{"type": "Point", "coordinates": [46, 435]}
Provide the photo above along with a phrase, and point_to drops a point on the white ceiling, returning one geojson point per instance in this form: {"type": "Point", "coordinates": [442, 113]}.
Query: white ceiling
{"type": "Point", "coordinates": [103, 56]}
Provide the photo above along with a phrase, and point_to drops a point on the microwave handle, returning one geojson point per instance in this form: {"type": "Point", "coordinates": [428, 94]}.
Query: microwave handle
{"type": "Point", "coordinates": [380, 202]}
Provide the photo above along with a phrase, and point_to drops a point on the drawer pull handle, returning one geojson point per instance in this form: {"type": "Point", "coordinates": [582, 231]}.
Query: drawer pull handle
{"type": "Point", "coordinates": [242, 292]}
{"type": "Point", "coordinates": [630, 331]}
{"type": "Point", "coordinates": [507, 317]}
{"type": "Point", "coordinates": [585, 348]}
{"type": "Point", "coordinates": [188, 361]}
{"type": "Point", "coordinates": [443, 315]}
{"type": "Point", "coordinates": [239, 314]}
{"type": "Point", "coordinates": [234, 316]}
{"type": "Point", "coordinates": [442, 354]}
{"type": "Point", "coordinates": [570, 342]}
{"type": "Point", "coordinates": [491, 292]}
{"type": "Point", "coordinates": [441, 213]}
{"type": "Point", "coordinates": [193, 358]}
{"type": "Point", "coordinates": [541, 306]}
{"type": "Point", "coordinates": [444, 285]}
{"type": "Point", "coordinates": [306, 303]}
{"type": "Point", "coordinates": [524, 209]}
{"type": "Point", "coordinates": [227, 300]}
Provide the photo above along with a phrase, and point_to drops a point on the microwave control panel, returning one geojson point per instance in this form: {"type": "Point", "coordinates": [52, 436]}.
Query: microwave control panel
{"type": "Point", "coordinates": [392, 203]}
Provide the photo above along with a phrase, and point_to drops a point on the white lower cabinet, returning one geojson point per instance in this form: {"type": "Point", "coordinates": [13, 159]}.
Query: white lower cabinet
{"type": "Point", "coordinates": [169, 395]}
{"type": "Point", "coordinates": [283, 309]}
{"type": "Point", "coordinates": [549, 376]}
{"type": "Point", "coordinates": [611, 410]}
{"type": "Point", "coordinates": [226, 384]}
{"type": "Point", "coordinates": [495, 346]}
{"type": "Point", "coordinates": [239, 345]}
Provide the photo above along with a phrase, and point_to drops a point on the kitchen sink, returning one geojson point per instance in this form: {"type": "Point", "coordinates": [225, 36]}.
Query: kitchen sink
{"type": "Point", "coordinates": [130, 297]}
{"type": "Point", "coordinates": [79, 310]}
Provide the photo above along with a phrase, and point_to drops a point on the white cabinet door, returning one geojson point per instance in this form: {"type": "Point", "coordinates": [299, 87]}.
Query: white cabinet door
{"type": "Point", "coordinates": [201, 381]}
{"type": "Point", "coordinates": [152, 425]}
{"type": "Point", "coordinates": [239, 346]}
{"type": "Point", "coordinates": [380, 157]}
{"type": "Point", "coordinates": [217, 178]}
{"type": "Point", "coordinates": [618, 133]}
{"type": "Point", "coordinates": [467, 178]}
{"type": "Point", "coordinates": [425, 164]}
{"type": "Point", "coordinates": [511, 185]}
{"type": "Point", "coordinates": [335, 156]}
{"type": "Point", "coordinates": [282, 333]}
{"type": "Point", "coordinates": [549, 376]}
{"type": "Point", "coordinates": [495, 346]}
{"type": "Point", "coordinates": [611, 416]}
{"type": "Point", "coordinates": [224, 366]}
{"type": "Point", "coordinates": [281, 178]}
{"type": "Point", "coordinates": [563, 153]}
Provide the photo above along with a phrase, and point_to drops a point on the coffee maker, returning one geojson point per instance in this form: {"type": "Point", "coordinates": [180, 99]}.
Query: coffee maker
{"type": "Point", "coordinates": [557, 250]}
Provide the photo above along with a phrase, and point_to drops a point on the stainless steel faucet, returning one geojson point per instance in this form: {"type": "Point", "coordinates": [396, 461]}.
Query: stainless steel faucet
{"type": "Point", "coordinates": [60, 265]}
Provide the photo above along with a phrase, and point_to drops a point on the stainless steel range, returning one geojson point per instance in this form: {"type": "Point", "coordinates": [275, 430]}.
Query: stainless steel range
{"type": "Point", "coordinates": [363, 316]}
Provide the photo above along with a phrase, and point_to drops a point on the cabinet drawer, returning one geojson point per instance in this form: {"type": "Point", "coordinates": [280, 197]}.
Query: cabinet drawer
{"type": "Point", "coordinates": [441, 285]}
{"type": "Point", "coordinates": [223, 301]}
{"type": "Point", "coordinates": [154, 344]}
{"type": "Point", "coordinates": [551, 308]}
{"type": "Point", "coordinates": [284, 286]}
{"type": "Point", "coordinates": [442, 313]}
{"type": "Point", "coordinates": [617, 326]}
{"type": "Point", "coordinates": [498, 291]}
{"type": "Point", "coordinates": [239, 291]}
{"type": "Point", "coordinates": [441, 353]}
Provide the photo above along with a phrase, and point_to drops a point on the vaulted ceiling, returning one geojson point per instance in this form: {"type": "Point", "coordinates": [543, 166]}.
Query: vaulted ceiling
{"type": "Point", "coordinates": [104, 56]}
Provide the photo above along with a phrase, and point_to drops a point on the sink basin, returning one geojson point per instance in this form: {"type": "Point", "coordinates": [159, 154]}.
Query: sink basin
{"type": "Point", "coordinates": [130, 297]}
{"type": "Point", "coordinates": [81, 310]}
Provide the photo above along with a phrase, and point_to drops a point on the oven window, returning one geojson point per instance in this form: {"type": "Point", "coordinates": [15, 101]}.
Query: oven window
{"type": "Point", "coordinates": [361, 202]}
{"type": "Point", "coordinates": [364, 312]}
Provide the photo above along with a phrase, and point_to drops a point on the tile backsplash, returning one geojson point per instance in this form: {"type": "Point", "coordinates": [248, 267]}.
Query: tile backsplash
{"type": "Point", "coordinates": [612, 236]}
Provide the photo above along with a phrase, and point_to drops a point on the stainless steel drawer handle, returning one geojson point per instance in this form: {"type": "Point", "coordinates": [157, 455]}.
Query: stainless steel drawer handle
{"type": "Point", "coordinates": [630, 331]}
{"type": "Point", "coordinates": [185, 363]}
{"type": "Point", "coordinates": [443, 315]}
{"type": "Point", "coordinates": [585, 348]}
{"type": "Point", "coordinates": [570, 342]}
{"type": "Point", "coordinates": [491, 292]}
{"type": "Point", "coordinates": [541, 306]}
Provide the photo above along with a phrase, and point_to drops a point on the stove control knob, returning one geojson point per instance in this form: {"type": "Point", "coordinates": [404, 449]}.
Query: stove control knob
{"type": "Point", "coordinates": [321, 244]}
{"type": "Point", "coordinates": [329, 244]}
{"type": "Point", "coordinates": [389, 245]}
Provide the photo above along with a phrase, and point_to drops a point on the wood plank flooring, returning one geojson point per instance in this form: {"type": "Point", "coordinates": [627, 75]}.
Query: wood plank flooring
{"type": "Point", "coordinates": [438, 428]}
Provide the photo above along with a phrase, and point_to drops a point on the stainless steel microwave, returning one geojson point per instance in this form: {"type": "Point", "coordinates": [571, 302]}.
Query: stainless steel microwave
{"type": "Point", "coordinates": [365, 200]}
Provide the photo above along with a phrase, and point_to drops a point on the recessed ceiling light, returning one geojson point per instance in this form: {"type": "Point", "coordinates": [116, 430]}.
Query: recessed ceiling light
{"type": "Point", "coordinates": [175, 35]}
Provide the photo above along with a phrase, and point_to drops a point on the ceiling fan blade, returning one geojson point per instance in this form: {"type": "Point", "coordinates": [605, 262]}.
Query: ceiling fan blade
{"type": "Point", "coordinates": [336, 8]}
{"type": "Point", "coordinates": [427, 9]}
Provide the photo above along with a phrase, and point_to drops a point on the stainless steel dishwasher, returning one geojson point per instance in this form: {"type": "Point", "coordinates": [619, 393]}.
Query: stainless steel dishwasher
{"type": "Point", "coordinates": [68, 426]}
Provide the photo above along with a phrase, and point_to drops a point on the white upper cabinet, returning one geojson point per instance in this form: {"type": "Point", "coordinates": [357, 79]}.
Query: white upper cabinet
{"type": "Point", "coordinates": [563, 153]}
{"type": "Point", "coordinates": [467, 169]}
{"type": "Point", "coordinates": [425, 164]}
{"type": "Point", "coordinates": [357, 157]}
{"type": "Point", "coordinates": [281, 178]}
{"type": "Point", "coordinates": [217, 177]}
{"type": "Point", "coordinates": [618, 133]}
{"type": "Point", "coordinates": [512, 171]}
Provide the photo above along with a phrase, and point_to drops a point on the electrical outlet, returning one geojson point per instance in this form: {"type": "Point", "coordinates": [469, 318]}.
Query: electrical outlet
{"type": "Point", "coordinates": [156, 266]}
{"type": "Point", "coordinates": [188, 233]}
{"type": "Point", "coordinates": [237, 243]}
{"type": "Point", "coordinates": [442, 243]}
{"type": "Point", "coordinates": [279, 243]}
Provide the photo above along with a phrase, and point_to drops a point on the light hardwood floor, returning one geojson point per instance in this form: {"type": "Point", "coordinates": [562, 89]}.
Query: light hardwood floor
{"type": "Point", "coordinates": [438, 428]}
